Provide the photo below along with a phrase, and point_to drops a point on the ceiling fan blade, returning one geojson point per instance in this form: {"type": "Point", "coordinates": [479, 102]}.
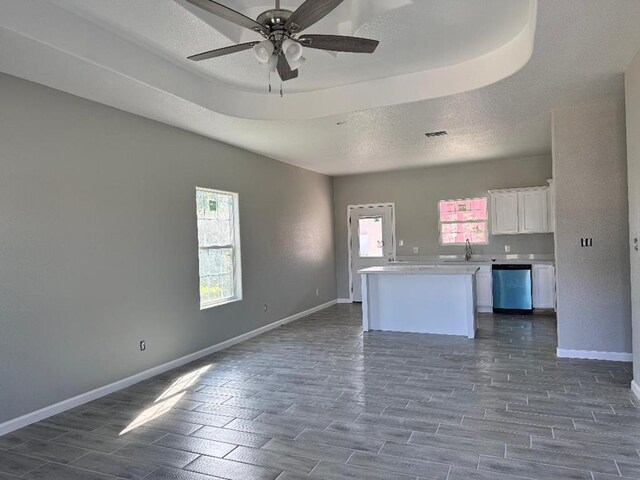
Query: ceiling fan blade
{"type": "Point", "coordinates": [338, 43]}
{"type": "Point", "coordinates": [310, 12]}
{"type": "Point", "coordinates": [230, 15]}
{"type": "Point", "coordinates": [284, 69]}
{"type": "Point", "coordinates": [219, 52]}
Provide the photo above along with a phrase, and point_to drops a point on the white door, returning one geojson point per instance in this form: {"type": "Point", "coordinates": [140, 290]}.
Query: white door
{"type": "Point", "coordinates": [533, 211]}
{"type": "Point", "coordinates": [504, 213]}
{"type": "Point", "coordinates": [371, 241]}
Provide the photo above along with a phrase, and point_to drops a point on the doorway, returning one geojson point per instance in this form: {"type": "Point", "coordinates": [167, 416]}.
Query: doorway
{"type": "Point", "coordinates": [371, 235]}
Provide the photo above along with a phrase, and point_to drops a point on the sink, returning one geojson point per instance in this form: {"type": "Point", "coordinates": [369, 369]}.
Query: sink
{"type": "Point", "coordinates": [415, 266]}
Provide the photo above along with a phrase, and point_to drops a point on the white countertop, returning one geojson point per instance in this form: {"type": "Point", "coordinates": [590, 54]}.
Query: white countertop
{"type": "Point", "coordinates": [422, 270]}
{"type": "Point", "coordinates": [482, 260]}
{"type": "Point", "coordinates": [473, 263]}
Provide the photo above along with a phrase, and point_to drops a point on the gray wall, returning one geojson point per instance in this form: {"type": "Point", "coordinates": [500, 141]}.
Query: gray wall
{"type": "Point", "coordinates": [590, 172]}
{"type": "Point", "coordinates": [416, 194]}
{"type": "Point", "coordinates": [98, 245]}
{"type": "Point", "coordinates": [632, 79]}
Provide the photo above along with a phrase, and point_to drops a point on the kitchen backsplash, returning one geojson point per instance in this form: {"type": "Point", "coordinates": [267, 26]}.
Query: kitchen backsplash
{"type": "Point", "coordinates": [539, 243]}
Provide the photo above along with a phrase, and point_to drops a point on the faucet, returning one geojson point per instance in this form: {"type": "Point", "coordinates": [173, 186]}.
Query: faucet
{"type": "Point", "coordinates": [467, 251]}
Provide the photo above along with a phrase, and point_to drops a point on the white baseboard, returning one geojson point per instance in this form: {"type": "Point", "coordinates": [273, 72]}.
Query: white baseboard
{"type": "Point", "coordinates": [344, 300]}
{"type": "Point", "coordinates": [83, 398]}
{"type": "Point", "coordinates": [635, 388]}
{"type": "Point", "coordinates": [595, 355]}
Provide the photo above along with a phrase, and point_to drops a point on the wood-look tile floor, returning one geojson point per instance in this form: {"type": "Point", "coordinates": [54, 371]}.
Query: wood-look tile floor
{"type": "Point", "coordinates": [318, 399]}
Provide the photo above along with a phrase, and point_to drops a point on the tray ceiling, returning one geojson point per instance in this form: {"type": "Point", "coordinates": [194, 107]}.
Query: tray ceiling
{"type": "Point", "coordinates": [487, 72]}
{"type": "Point", "coordinates": [414, 36]}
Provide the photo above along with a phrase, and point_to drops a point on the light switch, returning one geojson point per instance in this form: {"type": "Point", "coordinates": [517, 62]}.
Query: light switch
{"type": "Point", "coordinates": [401, 243]}
{"type": "Point", "coordinates": [416, 249]}
{"type": "Point", "coordinates": [586, 242]}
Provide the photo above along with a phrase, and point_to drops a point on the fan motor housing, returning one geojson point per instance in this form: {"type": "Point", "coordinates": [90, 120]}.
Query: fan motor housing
{"type": "Point", "coordinates": [274, 19]}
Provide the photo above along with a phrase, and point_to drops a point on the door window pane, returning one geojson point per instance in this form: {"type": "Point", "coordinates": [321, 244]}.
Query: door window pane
{"type": "Point", "coordinates": [370, 237]}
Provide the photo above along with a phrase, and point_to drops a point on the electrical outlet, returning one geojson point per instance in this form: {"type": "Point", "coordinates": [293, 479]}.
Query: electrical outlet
{"type": "Point", "coordinates": [416, 249]}
{"type": "Point", "coordinates": [507, 249]}
{"type": "Point", "coordinates": [143, 345]}
{"type": "Point", "coordinates": [401, 243]}
{"type": "Point", "coordinates": [317, 292]}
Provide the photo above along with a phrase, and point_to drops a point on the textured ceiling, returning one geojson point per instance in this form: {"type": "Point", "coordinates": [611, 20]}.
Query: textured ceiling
{"type": "Point", "coordinates": [414, 36]}
{"type": "Point", "coordinates": [581, 50]}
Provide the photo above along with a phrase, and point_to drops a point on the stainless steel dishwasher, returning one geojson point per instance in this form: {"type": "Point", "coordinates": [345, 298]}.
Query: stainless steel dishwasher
{"type": "Point", "coordinates": [512, 289]}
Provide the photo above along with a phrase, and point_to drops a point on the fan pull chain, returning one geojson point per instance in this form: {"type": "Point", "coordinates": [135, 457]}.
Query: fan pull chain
{"type": "Point", "coordinates": [281, 94]}
{"type": "Point", "coordinates": [269, 80]}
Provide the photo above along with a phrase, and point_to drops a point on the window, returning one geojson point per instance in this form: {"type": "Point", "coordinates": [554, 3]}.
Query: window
{"type": "Point", "coordinates": [462, 220]}
{"type": "Point", "coordinates": [218, 247]}
{"type": "Point", "coordinates": [370, 236]}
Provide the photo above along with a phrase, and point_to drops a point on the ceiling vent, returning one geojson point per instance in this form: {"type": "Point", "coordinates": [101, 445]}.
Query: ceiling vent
{"type": "Point", "coordinates": [441, 133]}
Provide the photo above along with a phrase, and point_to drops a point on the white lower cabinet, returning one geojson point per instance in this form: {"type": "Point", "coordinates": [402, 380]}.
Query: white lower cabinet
{"type": "Point", "coordinates": [543, 278]}
{"type": "Point", "coordinates": [484, 289]}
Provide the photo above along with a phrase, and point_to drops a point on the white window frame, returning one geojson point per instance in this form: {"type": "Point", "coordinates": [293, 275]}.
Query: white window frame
{"type": "Point", "coordinates": [235, 247]}
{"type": "Point", "coordinates": [440, 222]}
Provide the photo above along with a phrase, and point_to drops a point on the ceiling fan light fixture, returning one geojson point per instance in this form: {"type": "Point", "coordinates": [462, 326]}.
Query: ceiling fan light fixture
{"type": "Point", "coordinates": [295, 64]}
{"type": "Point", "coordinates": [292, 50]}
{"type": "Point", "coordinates": [282, 50]}
{"type": "Point", "coordinates": [273, 62]}
{"type": "Point", "coordinates": [263, 51]}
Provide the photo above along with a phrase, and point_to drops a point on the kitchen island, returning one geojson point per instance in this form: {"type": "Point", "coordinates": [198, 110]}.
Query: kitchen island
{"type": "Point", "coordinates": [420, 299]}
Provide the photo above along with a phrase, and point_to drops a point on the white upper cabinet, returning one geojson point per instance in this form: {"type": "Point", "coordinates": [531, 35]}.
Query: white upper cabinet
{"type": "Point", "coordinates": [504, 213]}
{"type": "Point", "coordinates": [533, 213]}
{"type": "Point", "coordinates": [520, 210]}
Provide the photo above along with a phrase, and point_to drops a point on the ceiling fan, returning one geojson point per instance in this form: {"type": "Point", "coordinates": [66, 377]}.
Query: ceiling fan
{"type": "Point", "coordinates": [282, 48]}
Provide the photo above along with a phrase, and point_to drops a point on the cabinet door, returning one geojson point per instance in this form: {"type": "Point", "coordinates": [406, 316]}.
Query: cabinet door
{"type": "Point", "coordinates": [533, 212]}
{"type": "Point", "coordinates": [484, 291]}
{"type": "Point", "coordinates": [504, 213]}
{"type": "Point", "coordinates": [544, 286]}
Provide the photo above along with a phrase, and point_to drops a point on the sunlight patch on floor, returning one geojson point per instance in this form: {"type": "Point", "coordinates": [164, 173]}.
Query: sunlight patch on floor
{"type": "Point", "coordinates": [167, 400]}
